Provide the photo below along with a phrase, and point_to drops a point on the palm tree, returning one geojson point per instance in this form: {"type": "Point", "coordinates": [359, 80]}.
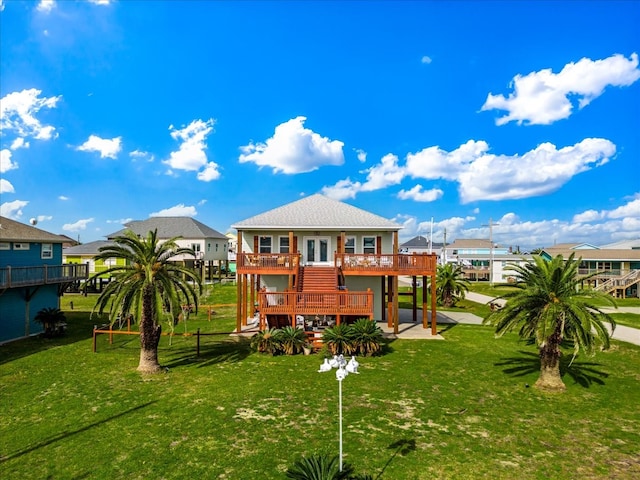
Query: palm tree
{"type": "Point", "coordinates": [145, 285]}
{"type": "Point", "coordinates": [450, 284]}
{"type": "Point", "coordinates": [549, 308]}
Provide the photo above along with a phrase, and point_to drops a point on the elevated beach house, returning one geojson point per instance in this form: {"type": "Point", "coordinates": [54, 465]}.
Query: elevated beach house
{"type": "Point", "coordinates": [318, 262]}
{"type": "Point", "coordinates": [32, 276]}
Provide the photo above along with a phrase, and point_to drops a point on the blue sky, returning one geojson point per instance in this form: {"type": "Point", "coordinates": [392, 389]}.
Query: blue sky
{"type": "Point", "coordinates": [438, 115]}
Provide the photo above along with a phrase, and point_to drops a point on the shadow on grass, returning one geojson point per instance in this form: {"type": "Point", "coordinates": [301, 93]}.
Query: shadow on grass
{"type": "Point", "coordinates": [79, 328]}
{"type": "Point", "coordinates": [66, 434]}
{"type": "Point", "coordinates": [584, 374]}
{"type": "Point", "coordinates": [226, 351]}
{"type": "Point", "coordinates": [402, 447]}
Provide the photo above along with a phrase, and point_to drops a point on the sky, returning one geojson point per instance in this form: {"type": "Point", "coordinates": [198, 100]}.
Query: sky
{"type": "Point", "coordinates": [446, 117]}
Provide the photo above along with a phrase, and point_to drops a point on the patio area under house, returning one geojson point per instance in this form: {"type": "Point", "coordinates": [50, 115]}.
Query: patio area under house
{"type": "Point", "coordinates": [319, 262]}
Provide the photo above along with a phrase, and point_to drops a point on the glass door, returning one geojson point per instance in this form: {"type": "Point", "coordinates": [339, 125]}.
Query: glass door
{"type": "Point", "coordinates": [317, 250]}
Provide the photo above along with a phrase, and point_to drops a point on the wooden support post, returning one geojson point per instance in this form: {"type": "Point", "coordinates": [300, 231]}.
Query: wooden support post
{"type": "Point", "coordinates": [198, 343]}
{"type": "Point", "coordinates": [434, 328]}
{"type": "Point", "coordinates": [414, 294]}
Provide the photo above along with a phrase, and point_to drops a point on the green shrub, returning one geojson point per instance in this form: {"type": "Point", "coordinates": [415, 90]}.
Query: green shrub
{"type": "Point", "coordinates": [319, 467]}
{"type": "Point", "coordinates": [292, 340]}
{"type": "Point", "coordinates": [367, 338]}
{"type": "Point", "coordinates": [267, 341]}
{"type": "Point", "coordinates": [339, 339]}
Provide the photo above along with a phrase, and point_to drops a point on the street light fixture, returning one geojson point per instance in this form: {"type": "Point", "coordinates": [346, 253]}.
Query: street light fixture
{"type": "Point", "coordinates": [343, 368]}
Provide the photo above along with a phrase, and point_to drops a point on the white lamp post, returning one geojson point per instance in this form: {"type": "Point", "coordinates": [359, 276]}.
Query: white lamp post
{"type": "Point", "coordinates": [343, 369]}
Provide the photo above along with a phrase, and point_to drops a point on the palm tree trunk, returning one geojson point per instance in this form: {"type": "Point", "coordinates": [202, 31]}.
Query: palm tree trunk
{"type": "Point", "coordinates": [550, 379]}
{"type": "Point", "coordinates": [150, 333]}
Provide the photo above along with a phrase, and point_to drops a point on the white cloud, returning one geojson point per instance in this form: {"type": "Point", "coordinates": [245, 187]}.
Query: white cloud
{"type": "Point", "coordinates": [19, 143]}
{"type": "Point", "coordinates": [417, 194]}
{"type": "Point", "coordinates": [122, 221]}
{"type": "Point", "coordinates": [630, 209]}
{"type": "Point", "coordinates": [541, 98]}
{"type": "Point", "coordinates": [63, 198]}
{"type": "Point", "coordinates": [5, 186]}
{"type": "Point", "coordinates": [13, 209]}
{"type": "Point", "coordinates": [77, 226]}
{"type": "Point", "coordinates": [191, 155]}
{"type": "Point", "coordinates": [210, 172]}
{"type": "Point", "coordinates": [426, 59]}
{"type": "Point", "coordinates": [179, 210]}
{"type": "Point", "coordinates": [141, 155]}
{"type": "Point", "coordinates": [483, 176]}
{"type": "Point", "coordinates": [100, 2]}
{"type": "Point", "coordinates": [6, 163]}
{"type": "Point", "coordinates": [18, 111]}
{"type": "Point", "coordinates": [294, 149]}
{"type": "Point", "coordinates": [1, 5]}
{"type": "Point", "coordinates": [587, 216]}
{"type": "Point", "coordinates": [45, 6]}
{"type": "Point", "coordinates": [384, 174]}
{"type": "Point", "coordinates": [590, 226]}
{"type": "Point", "coordinates": [342, 190]}
{"type": "Point", "coordinates": [362, 155]}
{"type": "Point", "coordinates": [108, 148]}
{"type": "Point", "coordinates": [44, 218]}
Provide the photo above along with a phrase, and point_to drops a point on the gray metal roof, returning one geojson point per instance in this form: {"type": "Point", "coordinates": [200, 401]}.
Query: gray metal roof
{"type": "Point", "coordinates": [91, 248]}
{"type": "Point", "coordinates": [169, 227]}
{"type": "Point", "coordinates": [13, 231]}
{"type": "Point", "coordinates": [317, 212]}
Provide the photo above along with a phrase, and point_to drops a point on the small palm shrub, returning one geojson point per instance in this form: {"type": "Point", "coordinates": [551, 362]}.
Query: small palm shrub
{"type": "Point", "coordinates": [292, 340]}
{"type": "Point", "coordinates": [319, 467]}
{"type": "Point", "coordinates": [339, 339]}
{"type": "Point", "coordinates": [367, 338]}
{"type": "Point", "coordinates": [267, 341]}
{"type": "Point", "coordinates": [51, 318]}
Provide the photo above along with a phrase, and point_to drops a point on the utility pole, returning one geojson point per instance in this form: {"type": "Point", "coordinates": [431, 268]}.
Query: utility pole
{"type": "Point", "coordinates": [491, 224]}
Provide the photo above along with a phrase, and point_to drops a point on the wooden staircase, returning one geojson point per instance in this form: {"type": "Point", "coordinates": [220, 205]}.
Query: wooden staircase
{"type": "Point", "coordinates": [317, 279]}
{"type": "Point", "coordinates": [619, 284]}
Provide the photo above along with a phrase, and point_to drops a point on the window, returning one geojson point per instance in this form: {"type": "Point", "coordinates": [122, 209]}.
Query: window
{"type": "Point", "coordinates": [196, 248]}
{"type": "Point", "coordinates": [46, 250]}
{"type": "Point", "coordinates": [369, 245]}
{"type": "Point", "coordinates": [350, 245]}
{"type": "Point", "coordinates": [21, 246]}
{"type": "Point", "coordinates": [284, 244]}
{"type": "Point", "coordinates": [5, 245]}
{"type": "Point", "coordinates": [265, 245]}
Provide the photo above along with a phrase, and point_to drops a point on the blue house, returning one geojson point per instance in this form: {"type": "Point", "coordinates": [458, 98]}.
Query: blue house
{"type": "Point", "coordinates": [32, 277]}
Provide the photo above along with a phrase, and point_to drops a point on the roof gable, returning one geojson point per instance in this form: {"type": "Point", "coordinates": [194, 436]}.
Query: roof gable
{"type": "Point", "coordinates": [13, 231]}
{"type": "Point", "coordinates": [169, 227]}
{"type": "Point", "coordinates": [318, 212]}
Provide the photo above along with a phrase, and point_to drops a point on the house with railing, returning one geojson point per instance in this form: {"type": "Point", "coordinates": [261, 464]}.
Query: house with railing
{"type": "Point", "coordinates": [318, 262]}
{"type": "Point", "coordinates": [32, 276]}
{"type": "Point", "coordinates": [613, 269]}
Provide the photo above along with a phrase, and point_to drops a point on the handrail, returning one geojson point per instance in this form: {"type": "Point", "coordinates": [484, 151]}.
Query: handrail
{"type": "Point", "coordinates": [341, 302]}
{"type": "Point", "coordinates": [42, 274]}
{"type": "Point", "coordinates": [407, 264]}
{"type": "Point", "coordinates": [267, 261]}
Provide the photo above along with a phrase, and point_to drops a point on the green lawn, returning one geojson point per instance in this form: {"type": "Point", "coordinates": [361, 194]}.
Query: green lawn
{"type": "Point", "coordinates": [453, 409]}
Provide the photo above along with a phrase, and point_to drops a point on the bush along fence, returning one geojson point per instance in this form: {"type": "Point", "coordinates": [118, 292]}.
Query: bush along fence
{"type": "Point", "coordinates": [362, 338]}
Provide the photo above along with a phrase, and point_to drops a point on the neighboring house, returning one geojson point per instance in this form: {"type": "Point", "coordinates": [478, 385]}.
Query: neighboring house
{"type": "Point", "coordinates": [209, 245]}
{"type": "Point", "coordinates": [32, 277]}
{"type": "Point", "coordinates": [420, 244]}
{"type": "Point", "coordinates": [615, 270]}
{"type": "Point", "coordinates": [321, 261]}
{"type": "Point", "coordinates": [85, 253]}
{"type": "Point", "coordinates": [480, 261]}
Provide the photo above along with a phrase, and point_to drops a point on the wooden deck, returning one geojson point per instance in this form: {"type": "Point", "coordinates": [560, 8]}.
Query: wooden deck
{"type": "Point", "coordinates": [349, 264]}
{"type": "Point", "coordinates": [11, 277]}
{"type": "Point", "coordinates": [337, 303]}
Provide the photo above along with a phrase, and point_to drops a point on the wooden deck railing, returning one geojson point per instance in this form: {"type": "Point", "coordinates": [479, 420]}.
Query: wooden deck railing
{"type": "Point", "coordinates": [267, 263]}
{"type": "Point", "coordinates": [42, 275]}
{"type": "Point", "coordinates": [384, 264]}
{"type": "Point", "coordinates": [332, 302]}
